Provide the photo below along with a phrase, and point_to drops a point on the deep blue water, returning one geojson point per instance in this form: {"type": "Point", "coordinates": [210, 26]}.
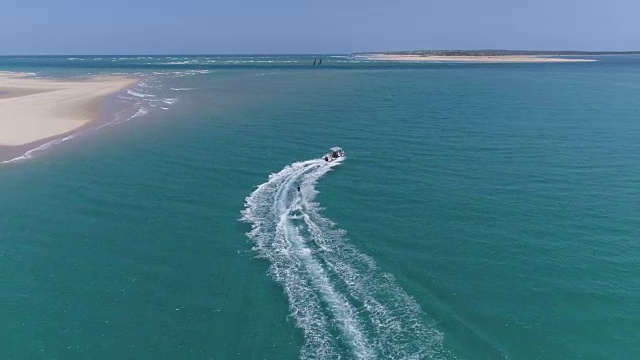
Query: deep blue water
{"type": "Point", "coordinates": [483, 211]}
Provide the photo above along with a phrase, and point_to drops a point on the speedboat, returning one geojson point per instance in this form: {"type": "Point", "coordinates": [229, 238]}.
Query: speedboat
{"type": "Point", "coordinates": [334, 154]}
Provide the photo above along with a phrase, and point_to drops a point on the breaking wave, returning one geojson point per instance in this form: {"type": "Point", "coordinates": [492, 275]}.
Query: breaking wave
{"type": "Point", "coordinates": [29, 154]}
{"type": "Point", "coordinates": [138, 94]}
{"type": "Point", "coordinates": [345, 306]}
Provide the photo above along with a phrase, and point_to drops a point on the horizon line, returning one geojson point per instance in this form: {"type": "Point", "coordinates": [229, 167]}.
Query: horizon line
{"type": "Point", "coordinates": [320, 53]}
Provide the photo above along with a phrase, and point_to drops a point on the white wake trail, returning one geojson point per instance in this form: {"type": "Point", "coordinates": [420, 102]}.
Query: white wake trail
{"type": "Point", "coordinates": [346, 307]}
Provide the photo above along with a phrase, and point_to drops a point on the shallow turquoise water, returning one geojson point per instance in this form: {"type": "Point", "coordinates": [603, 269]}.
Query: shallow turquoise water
{"type": "Point", "coordinates": [483, 211]}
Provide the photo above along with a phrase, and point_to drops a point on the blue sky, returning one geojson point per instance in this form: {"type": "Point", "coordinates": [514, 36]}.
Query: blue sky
{"type": "Point", "coordinates": [313, 26]}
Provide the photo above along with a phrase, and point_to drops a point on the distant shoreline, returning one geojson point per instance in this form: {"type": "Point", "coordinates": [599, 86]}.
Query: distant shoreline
{"type": "Point", "coordinates": [490, 56]}
{"type": "Point", "coordinates": [472, 58]}
{"type": "Point", "coordinates": [490, 52]}
{"type": "Point", "coordinates": [485, 52]}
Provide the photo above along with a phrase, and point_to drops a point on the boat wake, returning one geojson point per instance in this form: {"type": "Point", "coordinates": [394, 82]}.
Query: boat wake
{"type": "Point", "coordinates": [345, 306]}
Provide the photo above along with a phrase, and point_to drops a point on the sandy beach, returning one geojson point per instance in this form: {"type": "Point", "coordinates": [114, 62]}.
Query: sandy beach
{"type": "Point", "coordinates": [33, 109]}
{"type": "Point", "coordinates": [475, 59]}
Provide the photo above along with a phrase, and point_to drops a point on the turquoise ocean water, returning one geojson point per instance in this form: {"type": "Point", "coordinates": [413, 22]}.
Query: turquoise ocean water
{"type": "Point", "coordinates": [483, 211]}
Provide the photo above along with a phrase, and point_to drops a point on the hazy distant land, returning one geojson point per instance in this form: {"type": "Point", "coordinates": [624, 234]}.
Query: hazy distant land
{"type": "Point", "coordinates": [489, 56]}
{"type": "Point", "coordinates": [503, 53]}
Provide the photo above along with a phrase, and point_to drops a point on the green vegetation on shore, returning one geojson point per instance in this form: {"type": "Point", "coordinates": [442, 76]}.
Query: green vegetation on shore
{"type": "Point", "coordinates": [501, 52]}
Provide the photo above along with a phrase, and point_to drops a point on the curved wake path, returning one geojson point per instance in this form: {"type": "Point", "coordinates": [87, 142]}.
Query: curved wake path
{"type": "Point", "coordinates": [346, 307]}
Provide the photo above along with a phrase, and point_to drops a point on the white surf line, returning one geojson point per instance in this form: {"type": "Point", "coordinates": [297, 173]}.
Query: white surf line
{"type": "Point", "coordinates": [30, 153]}
{"type": "Point", "coordinates": [343, 311]}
